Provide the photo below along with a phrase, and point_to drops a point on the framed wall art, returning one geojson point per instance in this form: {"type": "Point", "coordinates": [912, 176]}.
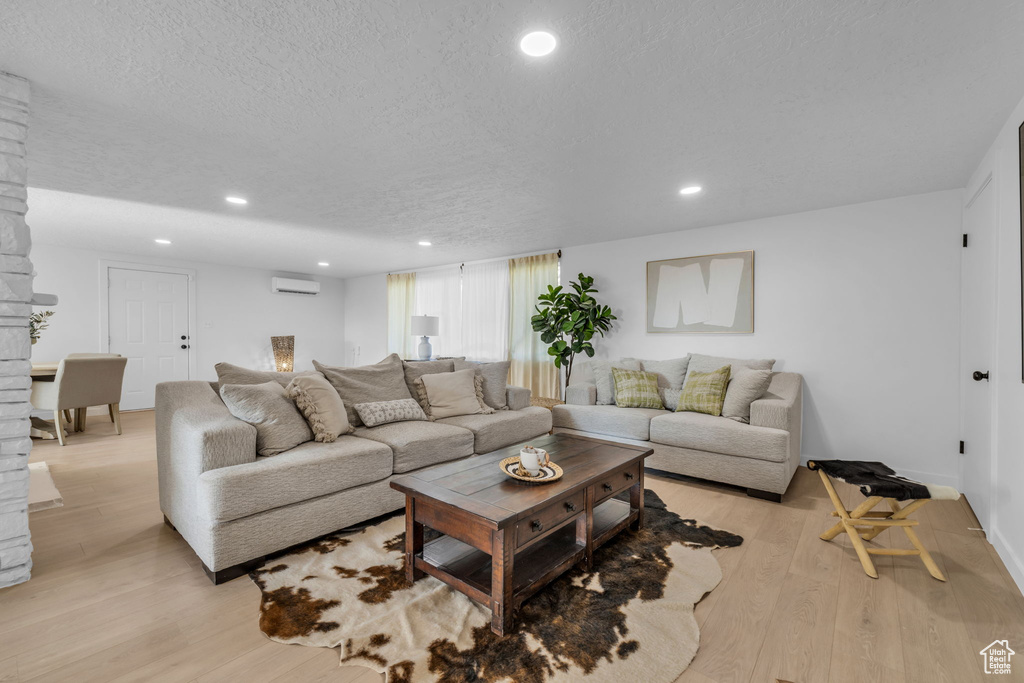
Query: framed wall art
{"type": "Point", "coordinates": [702, 294]}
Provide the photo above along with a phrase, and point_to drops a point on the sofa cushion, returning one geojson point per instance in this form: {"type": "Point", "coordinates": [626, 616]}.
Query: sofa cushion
{"type": "Point", "coordinates": [701, 363]}
{"type": "Point", "coordinates": [636, 389]}
{"type": "Point", "coordinates": [745, 386]}
{"type": "Point", "coordinates": [420, 444]}
{"type": "Point", "coordinates": [628, 423]}
{"type": "Point", "coordinates": [495, 380]}
{"type": "Point", "coordinates": [234, 374]}
{"type": "Point", "coordinates": [416, 369]}
{"type": "Point", "coordinates": [320, 404]}
{"type": "Point", "coordinates": [451, 394]}
{"type": "Point", "coordinates": [307, 471]}
{"type": "Point", "coordinates": [384, 412]}
{"type": "Point", "coordinates": [720, 435]}
{"type": "Point", "coordinates": [705, 391]}
{"type": "Point", "coordinates": [384, 381]}
{"type": "Point", "coordinates": [504, 427]}
{"type": "Point", "coordinates": [602, 370]}
{"type": "Point", "coordinates": [279, 424]}
{"type": "Point", "coordinates": [671, 373]}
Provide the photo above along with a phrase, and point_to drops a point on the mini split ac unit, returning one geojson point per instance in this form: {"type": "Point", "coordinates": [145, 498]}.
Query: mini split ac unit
{"type": "Point", "coordinates": [290, 286]}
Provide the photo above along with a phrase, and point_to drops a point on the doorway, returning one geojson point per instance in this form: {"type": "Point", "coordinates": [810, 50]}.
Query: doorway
{"type": "Point", "coordinates": [148, 315]}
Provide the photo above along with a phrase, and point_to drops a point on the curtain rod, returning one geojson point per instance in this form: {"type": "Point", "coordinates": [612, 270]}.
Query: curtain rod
{"type": "Point", "coordinates": [463, 265]}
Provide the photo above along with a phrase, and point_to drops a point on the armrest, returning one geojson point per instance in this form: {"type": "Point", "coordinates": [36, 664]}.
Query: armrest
{"type": "Point", "coordinates": [196, 432]}
{"type": "Point", "coordinates": [581, 394]}
{"type": "Point", "coordinates": [517, 398]}
{"type": "Point", "coordinates": [782, 405]}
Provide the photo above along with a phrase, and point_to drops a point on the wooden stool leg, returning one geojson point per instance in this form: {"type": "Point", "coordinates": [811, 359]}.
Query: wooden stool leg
{"type": "Point", "coordinates": [926, 557]}
{"type": "Point", "coordinates": [862, 552]}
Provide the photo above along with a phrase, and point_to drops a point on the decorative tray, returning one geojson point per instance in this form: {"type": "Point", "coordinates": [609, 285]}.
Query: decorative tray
{"type": "Point", "coordinates": [548, 472]}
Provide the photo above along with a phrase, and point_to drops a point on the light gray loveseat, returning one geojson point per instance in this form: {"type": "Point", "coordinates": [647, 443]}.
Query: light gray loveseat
{"type": "Point", "coordinates": [761, 456]}
{"type": "Point", "coordinates": [234, 507]}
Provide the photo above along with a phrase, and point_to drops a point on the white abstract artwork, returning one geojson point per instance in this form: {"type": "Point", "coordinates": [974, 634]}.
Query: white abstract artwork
{"type": "Point", "coordinates": [701, 294]}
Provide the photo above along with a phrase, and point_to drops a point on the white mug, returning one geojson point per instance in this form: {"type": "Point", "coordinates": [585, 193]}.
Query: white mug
{"type": "Point", "coordinates": [531, 461]}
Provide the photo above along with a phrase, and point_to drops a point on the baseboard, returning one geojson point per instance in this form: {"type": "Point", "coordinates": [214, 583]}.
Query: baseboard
{"type": "Point", "coordinates": [923, 477]}
{"type": "Point", "coordinates": [1009, 558]}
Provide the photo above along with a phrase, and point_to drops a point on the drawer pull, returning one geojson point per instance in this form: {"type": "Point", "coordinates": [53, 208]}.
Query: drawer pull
{"type": "Point", "coordinates": [570, 506]}
{"type": "Point", "coordinates": [629, 475]}
{"type": "Point", "coordinates": [536, 525]}
{"type": "Point", "coordinates": [606, 487]}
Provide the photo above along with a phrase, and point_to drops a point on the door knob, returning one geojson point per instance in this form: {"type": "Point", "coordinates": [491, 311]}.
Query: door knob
{"type": "Point", "coordinates": [184, 337]}
{"type": "Point", "coordinates": [184, 346]}
{"type": "Point", "coordinates": [979, 375]}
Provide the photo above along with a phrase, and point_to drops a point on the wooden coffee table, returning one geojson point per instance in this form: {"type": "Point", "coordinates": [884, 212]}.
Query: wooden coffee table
{"type": "Point", "coordinates": [503, 540]}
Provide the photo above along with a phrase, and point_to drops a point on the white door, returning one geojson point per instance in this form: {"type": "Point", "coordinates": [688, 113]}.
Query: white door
{"type": "Point", "coordinates": [977, 325]}
{"type": "Point", "coordinates": [148, 324]}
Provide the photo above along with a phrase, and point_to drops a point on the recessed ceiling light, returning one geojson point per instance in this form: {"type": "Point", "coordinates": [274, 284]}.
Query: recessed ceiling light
{"type": "Point", "coordinates": [323, 264]}
{"type": "Point", "coordinates": [162, 241]}
{"type": "Point", "coordinates": [538, 43]}
{"type": "Point", "coordinates": [424, 243]}
{"type": "Point", "coordinates": [236, 200]}
{"type": "Point", "coordinates": [692, 189]}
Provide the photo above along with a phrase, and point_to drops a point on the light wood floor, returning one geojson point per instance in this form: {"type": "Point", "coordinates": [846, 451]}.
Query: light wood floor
{"type": "Point", "coordinates": [117, 596]}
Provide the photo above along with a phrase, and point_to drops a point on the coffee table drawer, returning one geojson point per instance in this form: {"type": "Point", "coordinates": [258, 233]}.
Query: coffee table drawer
{"type": "Point", "coordinates": [545, 519]}
{"type": "Point", "coordinates": [616, 482]}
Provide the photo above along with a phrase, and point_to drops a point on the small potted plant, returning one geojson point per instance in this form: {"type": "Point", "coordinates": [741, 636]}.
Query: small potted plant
{"type": "Point", "coordinates": [38, 322]}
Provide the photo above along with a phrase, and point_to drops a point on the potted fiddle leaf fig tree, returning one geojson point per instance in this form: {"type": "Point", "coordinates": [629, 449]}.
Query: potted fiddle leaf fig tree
{"type": "Point", "coordinates": [568, 320]}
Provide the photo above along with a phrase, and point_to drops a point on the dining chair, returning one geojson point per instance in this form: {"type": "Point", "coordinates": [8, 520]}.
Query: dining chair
{"type": "Point", "coordinates": [80, 413]}
{"type": "Point", "coordinates": [82, 381]}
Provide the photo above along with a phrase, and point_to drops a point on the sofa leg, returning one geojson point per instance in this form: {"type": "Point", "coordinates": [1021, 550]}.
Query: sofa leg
{"type": "Point", "coordinates": [765, 495]}
{"type": "Point", "coordinates": [168, 523]}
{"type": "Point", "coordinates": [228, 573]}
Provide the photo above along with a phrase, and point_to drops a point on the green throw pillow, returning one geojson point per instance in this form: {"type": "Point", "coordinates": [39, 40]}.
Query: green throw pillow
{"type": "Point", "coordinates": [705, 391]}
{"type": "Point", "coordinates": [636, 389]}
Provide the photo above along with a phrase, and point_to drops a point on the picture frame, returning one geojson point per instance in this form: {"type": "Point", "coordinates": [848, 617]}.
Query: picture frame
{"type": "Point", "coordinates": [708, 294]}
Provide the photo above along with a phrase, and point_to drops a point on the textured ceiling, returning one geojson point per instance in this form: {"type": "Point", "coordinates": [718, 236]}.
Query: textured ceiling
{"type": "Point", "coordinates": [356, 129]}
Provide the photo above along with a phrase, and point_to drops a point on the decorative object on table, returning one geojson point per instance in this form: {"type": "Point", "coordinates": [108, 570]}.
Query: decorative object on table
{"type": "Point", "coordinates": [568, 321]}
{"type": "Point", "coordinates": [42, 492]}
{"type": "Point", "coordinates": [701, 294]}
{"type": "Point", "coordinates": [284, 353]}
{"type": "Point", "coordinates": [607, 626]}
{"type": "Point", "coordinates": [425, 326]}
{"type": "Point", "coordinates": [514, 468]}
{"type": "Point", "coordinates": [37, 322]}
{"type": "Point", "coordinates": [531, 459]}
{"type": "Point", "coordinates": [879, 483]}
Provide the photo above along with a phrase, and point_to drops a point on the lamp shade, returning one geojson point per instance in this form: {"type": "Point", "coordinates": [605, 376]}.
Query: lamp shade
{"type": "Point", "coordinates": [425, 325]}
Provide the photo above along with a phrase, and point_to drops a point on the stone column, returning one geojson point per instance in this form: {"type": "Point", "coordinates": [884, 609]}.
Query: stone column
{"type": "Point", "coordinates": [15, 348]}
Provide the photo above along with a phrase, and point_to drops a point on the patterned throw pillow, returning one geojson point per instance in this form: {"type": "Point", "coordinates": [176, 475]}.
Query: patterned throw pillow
{"type": "Point", "coordinates": [383, 412]}
{"type": "Point", "coordinates": [636, 389]}
{"type": "Point", "coordinates": [705, 391]}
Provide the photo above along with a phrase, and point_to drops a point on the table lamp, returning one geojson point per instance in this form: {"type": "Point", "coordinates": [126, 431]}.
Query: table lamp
{"type": "Point", "coordinates": [425, 326]}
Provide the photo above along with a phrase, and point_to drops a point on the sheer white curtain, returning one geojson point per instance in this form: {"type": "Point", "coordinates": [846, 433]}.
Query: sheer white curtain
{"type": "Point", "coordinates": [439, 292]}
{"type": "Point", "coordinates": [531, 365]}
{"type": "Point", "coordinates": [401, 298]}
{"type": "Point", "coordinates": [485, 316]}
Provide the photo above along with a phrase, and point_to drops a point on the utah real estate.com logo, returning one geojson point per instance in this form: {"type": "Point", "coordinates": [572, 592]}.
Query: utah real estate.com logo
{"type": "Point", "coordinates": [997, 657]}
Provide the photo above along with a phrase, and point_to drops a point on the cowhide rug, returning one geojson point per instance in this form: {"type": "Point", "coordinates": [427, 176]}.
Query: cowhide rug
{"type": "Point", "coordinates": [631, 619]}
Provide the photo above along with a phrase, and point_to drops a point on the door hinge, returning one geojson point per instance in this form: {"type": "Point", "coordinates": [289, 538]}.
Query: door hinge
{"type": "Point", "coordinates": [961, 448]}
{"type": "Point", "coordinates": [965, 239]}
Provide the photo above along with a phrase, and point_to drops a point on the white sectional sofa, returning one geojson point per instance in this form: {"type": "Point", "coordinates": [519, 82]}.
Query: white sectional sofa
{"type": "Point", "coordinates": [235, 507]}
{"type": "Point", "coordinates": [761, 456]}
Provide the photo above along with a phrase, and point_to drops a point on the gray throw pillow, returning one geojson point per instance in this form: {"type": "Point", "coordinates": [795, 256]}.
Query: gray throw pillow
{"type": "Point", "coordinates": [699, 363]}
{"type": "Point", "coordinates": [603, 377]}
{"type": "Point", "coordinates": [234, 374]}
{"type": "Point", "coordinates": [670, 397]}
{"type": "Point", "coordinates": [745, 387]}
{"type": "Point", "coordinates": [383, 412]}
{"type": "Point", "coordinates": [319, 403]}
{"type": "Point", "coordinates": [416, 369]}
{"type": "Point", "coordinates": [671, 373]}
{"type": "Point", "coordinates": [448, 395]}
{"type": "Point", "coordinates": [279, 424]}
{"type": "Point", "coordinates": [495, 380]}
{"type": "Point", "coordinates": [384, 381]}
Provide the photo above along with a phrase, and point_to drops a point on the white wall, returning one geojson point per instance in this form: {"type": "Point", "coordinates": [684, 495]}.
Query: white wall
{"type": "Point", "coordinates": [236, 313]}
{"type": "Point", "coordinates": [366, 319]}
{"type": "Point", "coordinates": [1007, 532]}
